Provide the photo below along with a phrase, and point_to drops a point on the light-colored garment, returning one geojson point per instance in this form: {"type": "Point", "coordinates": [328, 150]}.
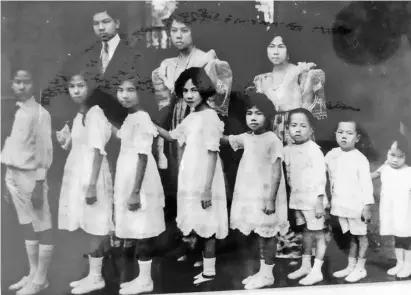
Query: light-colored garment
{"type": "Point", "coordinates": [308, 218]}
{"type": "Point", "coordinates": [200, 132]}
{"type": "Point", "coordinates": [74, 212]}
{"type": "Point", "coordinates": [137, 134]}
{"type": "Point", "coordinates": [20, 184]}
{"type": "Point", "coordinates": [254, 184]}
{"type": "Point", "coordinates": [288, 96]}
{"type": "Point", "coordinates": [395, 201]}
{"type": "Point", "coordinates": [355, 226]}
{"type": "Point", "coordinates": [351, 183]}
{"type": "Point", "coordinates": [112, 45]}
{"type": "Point", "coordinates": [305, 165]}
{"type": "Point", "coordinates": [28, 154]}
{"type": "Point", "coordinates": [29, 146]}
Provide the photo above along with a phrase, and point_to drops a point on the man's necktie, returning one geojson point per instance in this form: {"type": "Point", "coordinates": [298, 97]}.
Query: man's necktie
{"type": "Point", "coordinates": [105, 58]}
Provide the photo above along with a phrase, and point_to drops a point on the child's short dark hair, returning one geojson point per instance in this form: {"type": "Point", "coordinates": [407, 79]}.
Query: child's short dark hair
{"type": "Point", "coordinates": [200, 79]}
{"type": "Point", "coordinates": [30, 68]}
{"type": "Point", "coordinates": [365, 144]}
{"type": "Point", "coordinates": [402, 144]}
{"type": "Point", "coordinates": [307, 113]}
{"type": "Point", "coordinates": [261, 102]}
{"type": "Point", "coordinates": [21, 66]}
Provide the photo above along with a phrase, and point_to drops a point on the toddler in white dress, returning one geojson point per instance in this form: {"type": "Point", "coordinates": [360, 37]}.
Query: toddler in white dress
{"type": "Point", "coordinates": [395, 203]}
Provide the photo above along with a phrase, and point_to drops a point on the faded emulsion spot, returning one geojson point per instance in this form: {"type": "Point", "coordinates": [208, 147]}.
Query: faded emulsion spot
{"type": "Point", "coordinates": [367, 33]}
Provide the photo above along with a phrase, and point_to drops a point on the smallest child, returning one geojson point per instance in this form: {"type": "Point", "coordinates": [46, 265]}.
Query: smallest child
{"type": "Point", "coordinates": [395, 203]}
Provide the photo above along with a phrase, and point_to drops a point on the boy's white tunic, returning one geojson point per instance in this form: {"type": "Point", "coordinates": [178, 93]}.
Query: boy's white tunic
{"type": "Point", "coordinates": [74, 212]}
{"type": "Point", "coordinates": [351, 183]}
{"type": "Point", "coordinates": [137, 134]}
{"type": "Point", "coordinates": [200, 132]}
{"type": "Point", "coordinates": [395, 201]}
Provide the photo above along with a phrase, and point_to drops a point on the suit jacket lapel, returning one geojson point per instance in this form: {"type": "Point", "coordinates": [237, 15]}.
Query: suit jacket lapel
{"type": "Point", "coordinates": [118, 60]}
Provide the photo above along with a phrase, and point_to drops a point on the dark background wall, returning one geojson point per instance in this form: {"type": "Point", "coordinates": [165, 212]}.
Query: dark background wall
{"type": "Point", "coordinates": [366, 57]}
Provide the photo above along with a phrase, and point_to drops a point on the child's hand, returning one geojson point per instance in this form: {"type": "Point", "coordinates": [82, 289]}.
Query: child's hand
{"type": "Point", "coordinates": [269, 207]}
{"type": "Point", "coordinates": [37, 197]}
{"type": "Point", "coordinates": [206, 199]}
{"type": "Point", "coordinates": [134, 202]}
{"type": "Point", "coordinates": [366, 214]}
{"type": "Point", "coordinates": [91, 196]}
{"type": "Point", "coordinates": [319, 210]}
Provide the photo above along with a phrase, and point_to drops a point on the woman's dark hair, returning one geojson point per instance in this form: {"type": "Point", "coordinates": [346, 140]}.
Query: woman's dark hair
{"type": "Point", "coordinates": [402, 144]}
{"type": "Point", "coordinates": [184, 13]}
{"type": "Point", "coordinates": [307, 113]}
{"type": "Point", "coordinates": [199, 78]}
{"type": "Point", "coordinates": [261, 102]}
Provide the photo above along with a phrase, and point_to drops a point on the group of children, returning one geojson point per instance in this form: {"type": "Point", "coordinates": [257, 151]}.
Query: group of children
{"type": "Point", "coordinates": [259, 202]}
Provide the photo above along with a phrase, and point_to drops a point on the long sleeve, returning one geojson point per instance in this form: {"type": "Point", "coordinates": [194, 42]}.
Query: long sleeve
{"type": "Point", "coordinates": [44, 145]}
{"type": "Point", "coordinates": [320, 172]}
{"type": "Point", "coordinates": [366, 182]}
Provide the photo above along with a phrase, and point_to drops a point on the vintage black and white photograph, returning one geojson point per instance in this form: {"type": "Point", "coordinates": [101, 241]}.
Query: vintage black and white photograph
{"type": "Point", "coordinates": [163, 146]}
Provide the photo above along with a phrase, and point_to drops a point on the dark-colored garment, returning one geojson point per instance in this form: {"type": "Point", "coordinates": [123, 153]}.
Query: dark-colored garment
{"type": "Point", "coordinates": [403, 243]}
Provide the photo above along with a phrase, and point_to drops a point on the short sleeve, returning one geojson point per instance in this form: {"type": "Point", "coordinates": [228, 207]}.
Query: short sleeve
{"type": "Point", "coordinates": [276, 149]}
{"type": "Point", "coordinates": [236, 141]}
{"type": "Point", "coordinates": [379, 170]}
{"type": "Point", "coordinates": [98, 129]}
{"type": "Point", "coordinates": [179, 134]}
{"type": "Point", "coordinates": [144, 132]}
{"type": "Point", "coordinates": [328, 158]}
{"type": "Point", "coordinates": [258, 83]}
{"type": "Point", "coordinates": [366, 180]}
{"type": "Point", "coordinates": [318, 160]}
{"type": "Point", "coordinates": [213, 130]}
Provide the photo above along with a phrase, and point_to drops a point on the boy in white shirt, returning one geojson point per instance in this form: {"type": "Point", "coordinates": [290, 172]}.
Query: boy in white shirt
{"type": "Point", "coordinates": [306, 174]}
{"type": "Point", "coordinates": [28, 153]}
{"type": "Point", "coordinates": [352, 196]}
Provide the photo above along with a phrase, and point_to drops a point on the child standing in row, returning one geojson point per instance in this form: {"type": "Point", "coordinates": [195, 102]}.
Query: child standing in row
{"type": "Point", "coordinates": [86, 195]}
{"type": "Point", "coordinates": [138, 193]}
{"type": "Point", "coordinates": [260, 199]}
{"type": "Point", "coordinates": [395, 203]}
{"type": "Point", "coordinates": [352, 196]}
{"type": "Point", "coordinates": [201, 198]}
{"type": "Point", "coordinates": [28, 154]}
{"type": "Point", "coordinates": [306, 174]}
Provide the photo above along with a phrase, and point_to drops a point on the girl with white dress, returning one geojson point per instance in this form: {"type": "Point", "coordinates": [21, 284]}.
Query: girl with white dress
{"type": "Point", "coordinates": [138, 193]}
{"type": "Point", "coordinates": [395, 203]}
{"type": "Point", "coordinates": [86, 195]}
{"type": "Point", "coordinates": [201, 197]}
{"type": "Point", "coordinates": [260, 199]}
